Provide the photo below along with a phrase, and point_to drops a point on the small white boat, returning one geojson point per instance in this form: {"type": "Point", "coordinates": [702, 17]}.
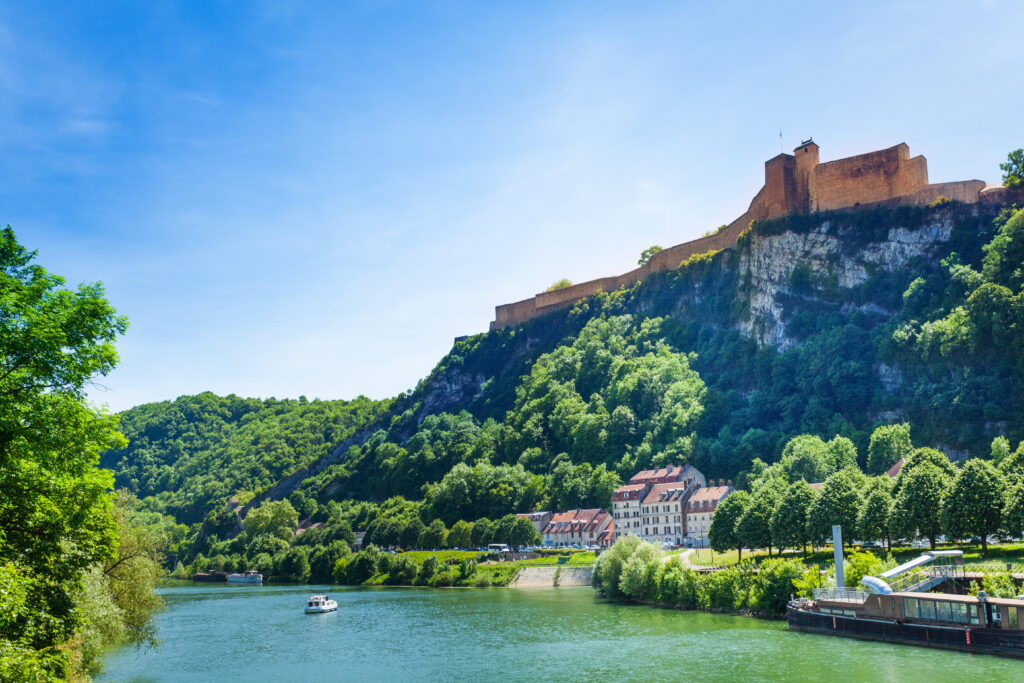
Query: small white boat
{"type": "Point", "coordinates": [318, 604]}
{"type": "Point", "coordinates": [248, 577]}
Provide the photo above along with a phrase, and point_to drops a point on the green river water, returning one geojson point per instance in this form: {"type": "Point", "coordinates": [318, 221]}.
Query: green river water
{"type": "Point", "coordinates": [253, 633]}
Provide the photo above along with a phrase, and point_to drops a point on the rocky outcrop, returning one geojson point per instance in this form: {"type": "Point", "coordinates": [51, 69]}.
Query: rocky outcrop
{"type": "Point", "coordinates": [768, 264]}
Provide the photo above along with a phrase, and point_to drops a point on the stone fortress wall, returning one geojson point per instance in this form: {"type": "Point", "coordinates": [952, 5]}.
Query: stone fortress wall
{"type": "Point", "coordinates": [793, 184]}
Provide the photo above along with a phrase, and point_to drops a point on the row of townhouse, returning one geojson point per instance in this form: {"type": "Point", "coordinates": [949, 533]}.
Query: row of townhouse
{"type": "Point", "coordinates": [668, 505]}
{"type": "Point", "coordinates": [579, 528]}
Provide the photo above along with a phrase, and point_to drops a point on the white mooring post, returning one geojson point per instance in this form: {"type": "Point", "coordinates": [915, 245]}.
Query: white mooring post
{"type": "Point", "coordinates": [837, 554]}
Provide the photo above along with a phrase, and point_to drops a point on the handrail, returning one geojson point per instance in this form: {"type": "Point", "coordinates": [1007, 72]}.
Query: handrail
{"type": "Point", "coordinates": [840, 594]}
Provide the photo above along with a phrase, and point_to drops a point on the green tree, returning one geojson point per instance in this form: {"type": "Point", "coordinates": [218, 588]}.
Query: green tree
{"type": "Point", "coordinates": [722, 533]}
{"type": "Point", "coordinates": [647, 253]}
{"type": "Point", "coordinates": [875, 516]}
{"type": "Point", "coordinates": [1000, 449]}
{"type": "Point", "coordinates": [888, 444]}
{"type": "Point", "coordinates": [434, 535]}
{"type": "Point", "coordinates": [807, 457]}
{"type": "Point", "coordinates": [481, 533]}
{"type": "Point", "coordinates": [838, 502]}
{"type": "Point", "coordinates": [411, 533]}
{"type": "Point", "coordinates": [974, 503]}
{"type": "Point", "coordinates": [860, 564]}
{"type": "Point", "coordinates": [753, 529]}
{"type": "Point", "coordinates": [460, 535]}
{"type": "Point", "coordinates": [1013, 511]}
{"type": "Point", "coordinates": [525, 533]}
{"type": "Point", "coordinates": [918, 506]}
{"type": "Point", "coordinates": [56, 517]}
{"type": "Point", "coordinates": [274, 518]}
{"type": "Point", "coordinates": [294, 566]}
{"type": "Point", "coordinates": [1013, 169]}
{"type": "Point", "coordinates": [502, 530]}
{"type": "Point", "coordinates": [560, 284]}
{"type": "Point", "coordinates": [362, 566]}
{"type": "Point", "coordinates": [789, 519]}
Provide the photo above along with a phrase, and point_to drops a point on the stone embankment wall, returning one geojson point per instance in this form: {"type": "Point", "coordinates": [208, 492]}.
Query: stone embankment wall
{"type": "Point", "coordinates": [544, 577]}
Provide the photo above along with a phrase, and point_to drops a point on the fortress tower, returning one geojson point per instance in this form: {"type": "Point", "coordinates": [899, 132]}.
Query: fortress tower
{"type": "Point", "coordinates": [794, 183]}
{"type": "Point", "coordinates": [806, 159]}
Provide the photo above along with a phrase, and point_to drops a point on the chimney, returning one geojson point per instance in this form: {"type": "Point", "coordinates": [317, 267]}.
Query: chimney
{"type": "Point", "coordinates": [729, 484]}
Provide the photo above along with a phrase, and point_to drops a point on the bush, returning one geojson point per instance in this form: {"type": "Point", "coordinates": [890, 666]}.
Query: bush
{"type": "Point", "coordinates": [482, 581]}
{"type": "Point", "coordinates": [402, 572]}
{"type": "Point", "coordinates": [340, 573]}
{"type": "Point", "coordinates": [442, 580]}
{"type": "Point", "coordinates": [774, 585]}
{"type": "Point", "coordinates": [860, 564]}
{"type": "Point", "coordinates": [426, 571]}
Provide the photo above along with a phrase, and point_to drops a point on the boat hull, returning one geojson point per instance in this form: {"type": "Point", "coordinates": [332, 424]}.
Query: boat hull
{"type": "Point", "coordinates": [321, 610]}
{"type": "Point", "coordinates": [978, 639]}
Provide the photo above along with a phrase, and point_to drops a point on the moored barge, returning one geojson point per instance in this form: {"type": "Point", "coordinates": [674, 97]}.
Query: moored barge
{"type": "Point", "coordinates": [956, 622]}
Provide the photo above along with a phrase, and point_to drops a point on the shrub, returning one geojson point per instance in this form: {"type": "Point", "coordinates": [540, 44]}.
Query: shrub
{"type": "Point", "coordinates": [774, 584]}
{"type": "Point", "coordinates": [442, 579]}
{"type": "Point", "coordinates": [482, 581]}
{"type": "Point", "coordinates": [426, 571]}
{"type": "Point", "coordinates": [339, 574]}
{"type": "Point", "coordinates": [561, 284]}
{"type": "Point", "coordinates": [402, 572]}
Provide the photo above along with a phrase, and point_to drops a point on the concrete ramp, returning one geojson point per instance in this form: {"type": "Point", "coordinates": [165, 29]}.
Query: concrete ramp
{"type": "Point", "coordinates": [545, 577]}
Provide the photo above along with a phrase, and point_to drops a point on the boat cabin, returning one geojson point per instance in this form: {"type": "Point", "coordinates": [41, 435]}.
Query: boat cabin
{"type": "Point", "coordinates": [924, 608]}
{"type": "Point", "coordinates": [317, 600]}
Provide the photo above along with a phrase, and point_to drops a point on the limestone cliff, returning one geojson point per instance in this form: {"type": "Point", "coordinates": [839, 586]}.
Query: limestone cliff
{"type": "Point", "coordinates": [769, 261]}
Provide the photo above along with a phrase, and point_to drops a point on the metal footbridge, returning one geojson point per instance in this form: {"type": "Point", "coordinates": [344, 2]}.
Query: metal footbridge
{"type": "Point", "coordinates": [920, 574]}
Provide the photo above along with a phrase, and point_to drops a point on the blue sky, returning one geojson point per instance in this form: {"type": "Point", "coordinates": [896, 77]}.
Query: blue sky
{"type": "Point", "coordinates": [291, 198]}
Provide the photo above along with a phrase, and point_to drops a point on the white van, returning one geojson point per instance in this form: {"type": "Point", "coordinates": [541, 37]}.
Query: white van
{"type": "Point", "coordinates": [497, 548]}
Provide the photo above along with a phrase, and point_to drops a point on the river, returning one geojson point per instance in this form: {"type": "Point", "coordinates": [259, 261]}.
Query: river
{"type": "Point", "coordinates": [250, 633]}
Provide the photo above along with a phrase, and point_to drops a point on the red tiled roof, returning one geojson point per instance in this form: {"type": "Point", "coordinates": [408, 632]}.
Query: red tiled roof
{"type": "Point", "coordinates": [658, 473]}
{"type": "Point", "coordinates": [817, 485]}
{"type": "Point", "coordinates": [711, 493]}
{"type": "Point", "coordinates": [895, 469]}
{"type": "Point", "coordinates": [574, 521]}
{"type": "Point", "coordinates": [665, 492]}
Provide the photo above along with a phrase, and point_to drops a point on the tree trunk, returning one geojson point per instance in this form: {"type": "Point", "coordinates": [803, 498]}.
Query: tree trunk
{"type": "Point", "coordinates": [984, 544]}
{"type": "Point", "coordinates": [931, 542]}
{"type": "Point", "coordinates": [805, 549]}
{"type": "Point", "coordinates": [739, 550]}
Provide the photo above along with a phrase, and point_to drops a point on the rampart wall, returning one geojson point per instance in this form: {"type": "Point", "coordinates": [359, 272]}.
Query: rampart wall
{"type": "Point", "coordinates": [868, 178]}
{"type": "Point", "coordinates": [793, 184]}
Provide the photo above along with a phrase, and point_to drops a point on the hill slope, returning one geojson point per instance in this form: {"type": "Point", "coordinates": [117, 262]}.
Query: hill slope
{"type": "Point", "coordinates": [824, 324]}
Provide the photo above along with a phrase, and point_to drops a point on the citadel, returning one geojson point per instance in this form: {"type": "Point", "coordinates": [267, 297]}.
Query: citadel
{"type": "Point", "coordinates": [794, 183]}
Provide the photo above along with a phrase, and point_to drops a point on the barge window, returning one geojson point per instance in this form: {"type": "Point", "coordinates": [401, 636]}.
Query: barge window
{"type": "Point", "coordinates": [939, 610]}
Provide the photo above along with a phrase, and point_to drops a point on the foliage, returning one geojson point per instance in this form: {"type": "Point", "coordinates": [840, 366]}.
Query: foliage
{"type": "Point", "coordinates": [838, 502]}
{"type": "Point", "coordinates": [57, 519]}
{"type": "Point", "coordinates": [560, 284]}
{"type": "Point", "coordinates": [188, 456]}
{"type": "Point", "coordinates": [1013, 169]}
{"type": "Point", "coordinates": [647, 253]}
{"type": "Point", "coordinates": [996, 585]}
{"type": "Point", "coordinates": [753, 528]}
{"type": "Point", "coordinates": [875, 516]}
{"type": "Point", "coordinates": [888, 444]}
{"type": "Point", "coordinates": [919, 503]}
{"type": "Point", "coordinates": [974, 504]}
{"type": "Point", "coordinates": [789, 518]}
{"type": "Point", "coordinates": [858, 565]}
{"type": "Point", "coordinates": [722, 534]}
{"type": "Point", "coordinates": [277, 519]}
